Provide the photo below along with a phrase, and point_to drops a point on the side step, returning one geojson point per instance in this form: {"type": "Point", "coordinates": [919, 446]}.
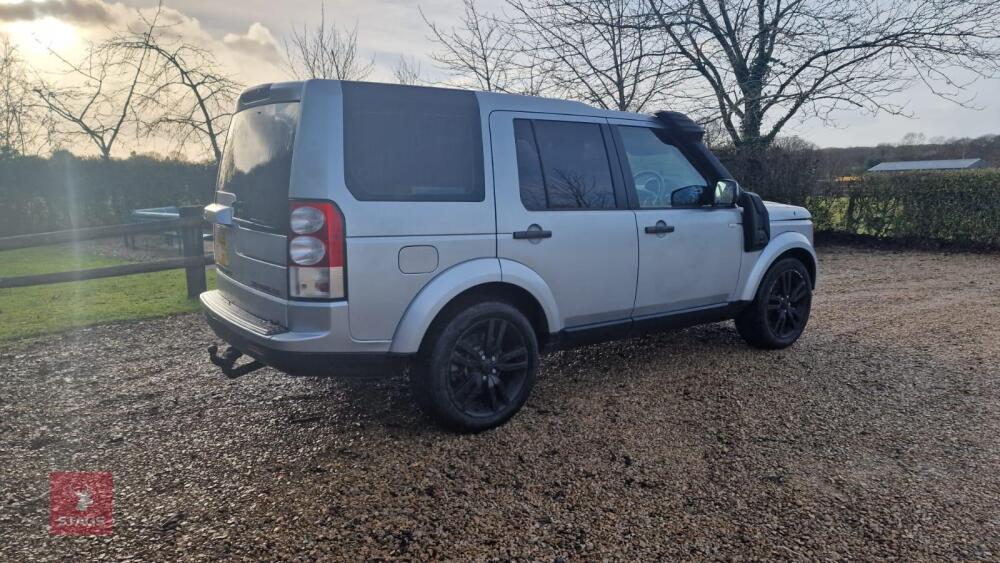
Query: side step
{"type": "Point", "coordinates": [227, 362]}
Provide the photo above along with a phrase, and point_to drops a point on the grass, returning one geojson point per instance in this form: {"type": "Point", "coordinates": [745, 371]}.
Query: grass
{"type": "Point", "coordinates": [49, 259]}
{"type": "Point", "coordinates": [44, 309]}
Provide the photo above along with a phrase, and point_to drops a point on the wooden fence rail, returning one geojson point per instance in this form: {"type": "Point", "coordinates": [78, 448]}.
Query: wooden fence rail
{"type": "Point", "coordinates": [189, 225]}
{"type": "Point", "coordinates": [92, 233]}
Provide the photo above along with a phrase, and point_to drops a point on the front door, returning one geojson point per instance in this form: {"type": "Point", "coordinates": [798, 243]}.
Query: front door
{"type": "Point", "coordinates": [689, 250]}
{"type": "Point", "coordinates": [562, 212]}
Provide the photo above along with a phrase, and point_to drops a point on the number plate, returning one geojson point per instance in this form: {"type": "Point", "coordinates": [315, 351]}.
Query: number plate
{"type": "Point", "coordinates": [221, 248]}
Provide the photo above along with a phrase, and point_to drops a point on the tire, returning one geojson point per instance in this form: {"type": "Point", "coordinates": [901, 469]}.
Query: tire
{"type": "Point", "coordinates": [780, 310]}
{"type": "Point", "coordinates": [476, 367]}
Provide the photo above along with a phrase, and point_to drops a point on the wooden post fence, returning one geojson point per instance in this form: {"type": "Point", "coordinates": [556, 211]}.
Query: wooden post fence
{"type": "Point", "coordinates": [189, 225]}
{"type": "Point", "coordinates": [193, 246]}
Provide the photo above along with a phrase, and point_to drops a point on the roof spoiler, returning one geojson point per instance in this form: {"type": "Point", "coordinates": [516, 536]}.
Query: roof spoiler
{"type": "Point", "coordinates": [272, 93]}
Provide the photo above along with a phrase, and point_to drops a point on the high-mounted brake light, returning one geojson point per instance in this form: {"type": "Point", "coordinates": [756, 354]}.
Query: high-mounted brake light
{"type": "Point", "coordinates": [316, 251]}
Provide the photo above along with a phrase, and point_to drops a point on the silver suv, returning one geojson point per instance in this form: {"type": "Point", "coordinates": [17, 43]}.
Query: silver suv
{"type": "Point", "coordinates": [361, 227]}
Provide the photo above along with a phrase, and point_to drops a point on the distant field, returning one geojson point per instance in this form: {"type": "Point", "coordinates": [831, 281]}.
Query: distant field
{"type": "Point", "coordinates": [28, 311]}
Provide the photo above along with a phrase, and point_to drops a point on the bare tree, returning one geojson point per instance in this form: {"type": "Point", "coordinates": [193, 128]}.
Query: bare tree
{"type": "Point", "coordinates": [482, 50]}
{"type": "Point", "coordinates": [97, 99]}
{"type": "Point", "coordinates": [599, 51]}
{"type": "Point", "coordinates": [205, 96]}
{"type": "Point", "coordinates": [913, 138]}
{"type": "Point", "coordinates": [761, 63]}
{"type": "Point", "coordinates": [407, 71]}
{"type": "Point", "coordinates": [535, 73]}
{"type": "Point", "coordinates": [188, 97]}
{"type": "Point", "coordinates": [23, 127]}
{"type": "Point", "coordinates": [325, 51]}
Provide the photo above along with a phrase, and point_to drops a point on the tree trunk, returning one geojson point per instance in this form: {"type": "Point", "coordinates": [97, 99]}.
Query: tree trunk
{"type": "Point", "coordinates": [750, 125]}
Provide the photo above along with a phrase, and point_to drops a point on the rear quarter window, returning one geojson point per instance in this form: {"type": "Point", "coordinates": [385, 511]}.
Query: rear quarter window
{"type": "Point", "coordinates": [408, 143]}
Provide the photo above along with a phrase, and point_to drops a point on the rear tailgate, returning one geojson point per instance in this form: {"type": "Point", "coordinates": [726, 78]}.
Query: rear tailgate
{"type": "Point", "coordinates": [251, 251]}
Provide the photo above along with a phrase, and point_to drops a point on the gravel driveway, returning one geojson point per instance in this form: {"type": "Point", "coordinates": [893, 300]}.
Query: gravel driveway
{"type": "Point", "coordinates": [876, 436]}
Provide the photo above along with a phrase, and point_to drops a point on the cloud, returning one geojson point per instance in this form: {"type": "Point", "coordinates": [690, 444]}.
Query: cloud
{"type": "Point", "coordinates": [258, 40]}
{"type": "Point", "coordinates": [76, 11]}
{"type": "Point", "coordinates": [248, 54]}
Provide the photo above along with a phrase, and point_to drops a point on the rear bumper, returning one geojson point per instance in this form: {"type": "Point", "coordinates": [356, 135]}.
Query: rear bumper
{"type": "Point", "coordinates": [297, 353]}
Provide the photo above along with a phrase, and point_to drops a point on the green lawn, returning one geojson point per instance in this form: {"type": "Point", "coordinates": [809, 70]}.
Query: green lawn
{"type": "Point", "coordinates": [28, 311]}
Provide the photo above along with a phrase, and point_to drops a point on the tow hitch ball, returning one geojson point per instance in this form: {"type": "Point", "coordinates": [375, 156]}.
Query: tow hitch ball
{"type": "Point", "coordinates": [227, 362]}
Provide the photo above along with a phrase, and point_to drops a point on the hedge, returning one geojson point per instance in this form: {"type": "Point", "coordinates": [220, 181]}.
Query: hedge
{"type": "Point", "coordinates": [61, 192]}
{"type": "Point", "coordinates": [777, 173]}
{"type": "Point", "coordinates": [64, 192]}
{"type": "Point", "coordinates": [960, 207]}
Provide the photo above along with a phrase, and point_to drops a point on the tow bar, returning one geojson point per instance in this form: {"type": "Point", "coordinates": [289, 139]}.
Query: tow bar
{"type": "Point", "coordinates": [227, 362]}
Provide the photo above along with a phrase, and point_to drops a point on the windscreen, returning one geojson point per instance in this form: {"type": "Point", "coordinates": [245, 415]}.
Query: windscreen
{"type": "Point", "coordinates": [257, 163]}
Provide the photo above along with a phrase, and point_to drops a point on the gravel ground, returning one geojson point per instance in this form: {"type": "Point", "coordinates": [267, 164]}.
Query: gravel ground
{"type": "Point", "coordinates": [876, 436]}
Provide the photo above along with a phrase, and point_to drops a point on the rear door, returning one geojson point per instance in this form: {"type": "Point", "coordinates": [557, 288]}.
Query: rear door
{"type": "Point", "coordinates": [689, 250]}
{"type": "Point", "coordinates": [253, 180]}
{"type": "Point", "coordinates": [562, 211]}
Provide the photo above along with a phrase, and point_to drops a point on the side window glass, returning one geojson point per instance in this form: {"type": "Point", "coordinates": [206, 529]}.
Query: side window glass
{"type": "Point", "coordinates": [529, 167]}
{"type": "Point", "coordinates": [410, 143]}
{"type": "Point", "coordinates": [575, 165]}
{"type": "Point", "coordinates": [663, 176]}
{"type": "Point", "coordinates": [572, 162]}
{"type": "Point", "coordinates": [562, 165]}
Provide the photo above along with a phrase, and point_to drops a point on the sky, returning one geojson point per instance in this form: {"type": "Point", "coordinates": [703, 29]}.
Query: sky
{"type": "Point", "coordinates": [246, 37]}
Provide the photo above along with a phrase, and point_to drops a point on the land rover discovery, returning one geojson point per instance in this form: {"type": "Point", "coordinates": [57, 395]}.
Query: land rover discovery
{"type": "Point", "coordinates": [364, 227]}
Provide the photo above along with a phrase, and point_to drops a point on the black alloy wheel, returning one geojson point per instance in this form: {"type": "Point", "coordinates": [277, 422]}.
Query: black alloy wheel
{"type": "Point", "coordinates": [780, 310]}
{"type": "Point", "coordinates": [489, 363]}
{"type": "Point", "coordinates": [787, 304]}
{"type": "Point", "coordinates": [476, 367]}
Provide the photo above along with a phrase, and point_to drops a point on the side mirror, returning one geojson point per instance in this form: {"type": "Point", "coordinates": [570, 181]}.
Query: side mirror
{"type": "Point", "coordinates": [688, 196]}
{"type": "Point", "coordinates": [726, 193]}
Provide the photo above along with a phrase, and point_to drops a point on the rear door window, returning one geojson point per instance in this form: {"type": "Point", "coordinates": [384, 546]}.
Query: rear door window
{"type": "Point", "coordinates": [408, 143]}
{"type": "Point", "coordinates": [257, 163]}
{"type": "Point", "coordinates": [529, 167]}
{"type": "Point", "coordinates": [563, 165]}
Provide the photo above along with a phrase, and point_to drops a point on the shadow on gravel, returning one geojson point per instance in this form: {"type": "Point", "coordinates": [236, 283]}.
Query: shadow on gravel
{"type": "Point", "coordinates": [593, 370]}
{"type": "Point", "coordinates": [565, 377]}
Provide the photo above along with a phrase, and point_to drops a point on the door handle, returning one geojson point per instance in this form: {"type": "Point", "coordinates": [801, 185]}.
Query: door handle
{"type": "Point", "coordinates": [532, 234]}
{"type": "Point", "coordinates": [660, 228]}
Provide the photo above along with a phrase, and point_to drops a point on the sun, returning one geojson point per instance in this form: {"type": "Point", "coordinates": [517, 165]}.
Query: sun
{"type": "Point", "coordinates": [40, 36]}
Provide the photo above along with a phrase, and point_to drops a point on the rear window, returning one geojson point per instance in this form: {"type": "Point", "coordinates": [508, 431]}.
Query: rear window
{"type": "Point", "coordinates": [257, 163]}
{"type": "Point", "coordinates": [408, 143]}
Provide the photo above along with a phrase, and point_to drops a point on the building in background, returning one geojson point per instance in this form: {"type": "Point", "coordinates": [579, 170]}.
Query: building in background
{"type": "Point", "coordinates": [920, 165]}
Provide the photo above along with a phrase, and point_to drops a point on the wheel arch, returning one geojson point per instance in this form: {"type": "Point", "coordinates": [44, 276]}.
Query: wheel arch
{"type": "Point", "coordinates": [785, 245]}
{"type": "Point", "coordinates": [808, 260]}
{"type": "Point", "coordinates": [466, 283]}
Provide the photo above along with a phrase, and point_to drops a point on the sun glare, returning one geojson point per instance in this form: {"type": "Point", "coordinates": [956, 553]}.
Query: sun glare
{"type": "Point", "coordinates": [38, 37]}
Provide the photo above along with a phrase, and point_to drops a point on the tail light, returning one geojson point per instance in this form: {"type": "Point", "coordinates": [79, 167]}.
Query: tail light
{"type": "Point", "coordinates": [315, 251]}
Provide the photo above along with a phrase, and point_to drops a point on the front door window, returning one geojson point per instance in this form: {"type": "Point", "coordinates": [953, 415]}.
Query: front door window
{"type": "Point", "coordinates": [663, 176]}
